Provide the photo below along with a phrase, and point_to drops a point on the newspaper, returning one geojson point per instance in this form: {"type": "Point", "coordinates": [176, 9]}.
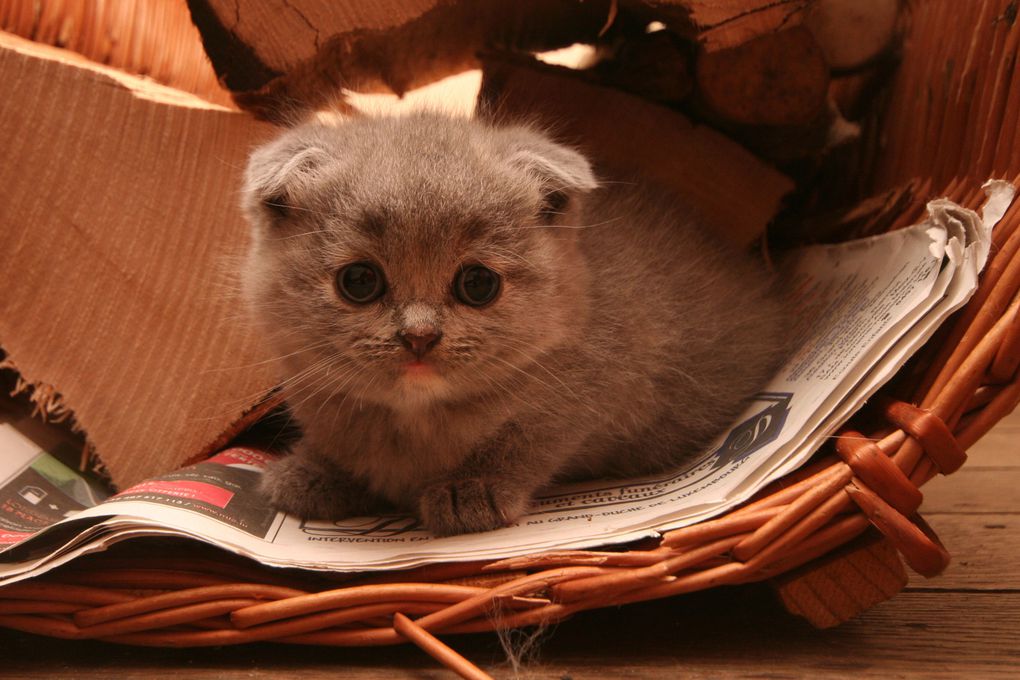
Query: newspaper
{"type": "Point", "coordinates": [864, 308]}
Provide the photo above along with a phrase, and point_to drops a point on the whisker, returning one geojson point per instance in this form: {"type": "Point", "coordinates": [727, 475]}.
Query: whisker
{"type": "Point", "coordinates": [287, 206]}
{"type": "Point", "coordinates": [295, 379]}
{"type": "Point", "coordinates": [309, 348]}
{"type": "Point", "coordinates": [304, 233]}
{"type": "Point", "coordinates": [574, 226]}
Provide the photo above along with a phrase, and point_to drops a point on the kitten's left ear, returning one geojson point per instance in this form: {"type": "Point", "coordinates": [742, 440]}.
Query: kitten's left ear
{"type": "Point", "coordinates": [279, 173]}
{"type": "Point", "coordinates": [562, 170]}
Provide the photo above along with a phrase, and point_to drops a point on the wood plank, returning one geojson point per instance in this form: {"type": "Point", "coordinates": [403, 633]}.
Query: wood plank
{"type": "Point", "coordinates": [896, 639]}
{"type": "Point", "coordinates": [733, 633]}
{"type": "Point", "coordinates": [984, 549]}
{"type": "Point", "coordinates": [981, 490]}
{"type": "Point", "coordinates": [998, 448]}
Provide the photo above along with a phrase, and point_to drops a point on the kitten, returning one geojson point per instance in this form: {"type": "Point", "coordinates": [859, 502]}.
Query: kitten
{"type": "Point", "coordinates": [463, 314]}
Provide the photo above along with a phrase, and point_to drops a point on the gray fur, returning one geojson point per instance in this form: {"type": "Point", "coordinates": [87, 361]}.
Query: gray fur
{"type": "Point", "coordinates": [623, 341]}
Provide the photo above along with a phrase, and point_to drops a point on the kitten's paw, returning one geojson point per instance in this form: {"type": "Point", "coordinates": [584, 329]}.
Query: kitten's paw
{"type": "Point", "coordinates": [466, 505]}
{"type": "Point", "coordinates": [312, 488]}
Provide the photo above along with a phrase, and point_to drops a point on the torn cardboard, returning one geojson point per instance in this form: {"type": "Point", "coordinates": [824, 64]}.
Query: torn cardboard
{"type": "Point", "coordinates": [734, 192]}
{"type": "Point", "coordinates": [721, 24]}
{"type": "Point", "coordinates": [281, 55]}
{"type": "Point", "coordinates": [120, 228]}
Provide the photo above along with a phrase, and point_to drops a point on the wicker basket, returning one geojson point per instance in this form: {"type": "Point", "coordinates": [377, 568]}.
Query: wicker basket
{"type": "Point", "coordinates": [944, 131]}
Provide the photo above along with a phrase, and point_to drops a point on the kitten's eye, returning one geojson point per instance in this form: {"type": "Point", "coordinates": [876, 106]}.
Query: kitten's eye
{"type": "Point", "coordinates": [360, 282]}
{"type": "Point", "coordinates": [476, 285]}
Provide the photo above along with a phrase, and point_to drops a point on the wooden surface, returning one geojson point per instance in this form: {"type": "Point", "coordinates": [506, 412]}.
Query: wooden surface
{"type": "Point", "coordinates": [963, 624]}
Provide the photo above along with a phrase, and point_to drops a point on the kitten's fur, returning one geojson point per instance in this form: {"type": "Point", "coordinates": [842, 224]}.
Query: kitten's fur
{"type": "Point", "coordinates": [623, 340]}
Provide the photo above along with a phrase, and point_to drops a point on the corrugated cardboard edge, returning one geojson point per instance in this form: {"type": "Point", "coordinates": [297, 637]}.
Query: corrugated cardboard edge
{"type": "Point", "coordinates": [119, 219]}
{"type": "Point", "coordinates": [46, 401]}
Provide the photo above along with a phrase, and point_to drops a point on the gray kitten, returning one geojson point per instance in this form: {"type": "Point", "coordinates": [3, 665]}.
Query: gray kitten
{"type": "Point", "coordinates": [463, 314]}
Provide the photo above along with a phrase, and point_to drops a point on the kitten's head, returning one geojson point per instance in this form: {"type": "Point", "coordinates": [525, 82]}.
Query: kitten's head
{"type": "Point", "coordinates": [411, 259]}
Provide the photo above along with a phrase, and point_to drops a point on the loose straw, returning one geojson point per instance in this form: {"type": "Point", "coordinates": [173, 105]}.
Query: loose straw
{"type": "Point", "coordinates": [437, 650]}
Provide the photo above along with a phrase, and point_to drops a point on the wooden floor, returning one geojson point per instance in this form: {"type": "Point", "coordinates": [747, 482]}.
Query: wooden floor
{"type": "Point", "coordinates": [963, 624]}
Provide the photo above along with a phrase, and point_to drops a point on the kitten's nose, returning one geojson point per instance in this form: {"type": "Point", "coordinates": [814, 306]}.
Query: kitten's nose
{"type": "Point", "coordinates": [419, 343]}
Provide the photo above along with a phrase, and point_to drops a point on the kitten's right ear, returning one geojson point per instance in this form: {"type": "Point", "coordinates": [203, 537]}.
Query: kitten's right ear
{"type": "Point", "coordinates": [562, 171]}
{"type": "Point", "coordinates": [277, 176]}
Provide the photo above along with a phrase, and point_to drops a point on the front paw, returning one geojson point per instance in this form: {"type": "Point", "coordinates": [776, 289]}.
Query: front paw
{"type": "Point", "coordinates": [313, 488]}
{"type": "Point", "coordinates": [470, 504]}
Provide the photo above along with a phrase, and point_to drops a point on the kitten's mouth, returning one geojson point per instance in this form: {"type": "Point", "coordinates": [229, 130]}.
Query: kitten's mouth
{"type": "Point", "coordinates": [416, 368]}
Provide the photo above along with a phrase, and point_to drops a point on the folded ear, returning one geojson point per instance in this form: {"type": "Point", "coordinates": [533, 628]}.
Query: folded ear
{"type": "Point", "coordinates": [562, 171]}
{"type": "Point", "coordinates": [278, 174]}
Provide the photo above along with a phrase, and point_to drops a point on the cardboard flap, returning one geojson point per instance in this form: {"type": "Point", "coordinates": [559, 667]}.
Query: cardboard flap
{"type": "Point", "coordinates": [280, 56]}
{"type": "Point", "coordinates": [736, 193]}
{"type": "Point", "coordinates": [120, 229]}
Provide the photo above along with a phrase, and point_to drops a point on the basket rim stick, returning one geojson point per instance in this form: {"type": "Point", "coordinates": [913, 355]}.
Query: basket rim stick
{"type": "Point", "coordinates": [309, 603]}
{"type": "Point", "coordinates": [141, 605]}
{"type": "Point", "coordinates": [979, 316]}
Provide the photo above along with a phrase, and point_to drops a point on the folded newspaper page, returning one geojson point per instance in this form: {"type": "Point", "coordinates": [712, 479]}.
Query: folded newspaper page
{"type": "Point", "coordinates": [865, 307]}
